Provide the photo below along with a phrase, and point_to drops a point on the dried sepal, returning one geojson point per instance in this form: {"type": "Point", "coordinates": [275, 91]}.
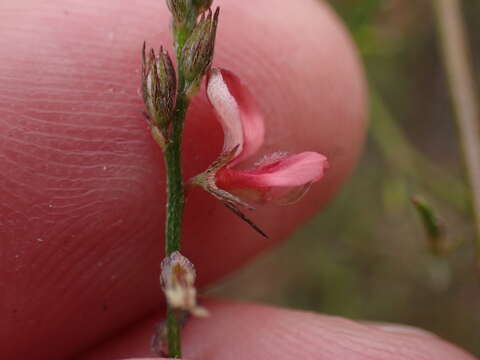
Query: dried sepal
{"type": "Point", "coordinates": [157, 134]}
{"type": "Point", "coordinates": [230, 201]}
{"type": "Point", "coordinates": [158, 343]}
{"type": "Point", "coordinates": [159, 85]}
{"type": "Point", "coordinates": [197, 52]}
{"type": "Point", "coordinates": [207, 181]}
{"type": "Point", "coordinates": [159, 340]}
{"type": "Point", "coordinates": [178, 282]}
{"type": "Point", "coordinates": [242, 216]}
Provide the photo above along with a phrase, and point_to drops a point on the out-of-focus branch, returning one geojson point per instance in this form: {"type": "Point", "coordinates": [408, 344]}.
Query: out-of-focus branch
{"type": "Point", "coordinates": [452, 37]}
{"type": "Point", "coordinates": [410, 163]}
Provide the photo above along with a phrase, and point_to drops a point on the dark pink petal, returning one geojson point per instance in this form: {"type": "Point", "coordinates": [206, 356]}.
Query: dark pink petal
{"type": "Point", "coordinates": [237, 112]}
{"type": "Point", "coordinates": [283, 179]}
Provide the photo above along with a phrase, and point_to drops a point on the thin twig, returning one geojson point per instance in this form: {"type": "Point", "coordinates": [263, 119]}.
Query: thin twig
{"type": "Point", "coordinates": [453, 40]}
{"type": "Point", "coordinates": [411, 164]}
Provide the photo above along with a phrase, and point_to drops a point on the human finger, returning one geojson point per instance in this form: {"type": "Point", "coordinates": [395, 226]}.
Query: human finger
{"type": "Point", "coordinates": [82, 182]}
{"type": "Point", "coordinates": [247, 331]}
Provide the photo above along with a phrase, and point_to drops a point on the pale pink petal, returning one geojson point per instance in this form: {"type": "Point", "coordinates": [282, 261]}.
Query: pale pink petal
{"type": "Point", "coordinates": [237, 112]}
{"type": "Point", "coordinates": [282, 180]}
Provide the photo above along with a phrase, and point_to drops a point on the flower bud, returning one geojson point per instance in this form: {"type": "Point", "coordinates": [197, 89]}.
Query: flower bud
{"type": "Point", "coordinates": [179, 9]}
{"type": "Point", "coordinates": [159, 85]}
{"type": "Point", "coordinates": [197, 53]}
{"type": "Point", "coordinates": [178, 279]}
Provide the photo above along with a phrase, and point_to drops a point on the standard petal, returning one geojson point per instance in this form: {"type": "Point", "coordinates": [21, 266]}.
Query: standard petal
{"type": "Point", "coordinates": [283, 179]}
{"type": "Point", "coordinates": [237, 112]}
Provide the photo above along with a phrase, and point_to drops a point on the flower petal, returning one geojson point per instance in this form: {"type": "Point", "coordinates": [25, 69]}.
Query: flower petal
{"type": "Point", "coordinates": [283, 179]}
{"type": "Point", "coordinates": [237, 112]}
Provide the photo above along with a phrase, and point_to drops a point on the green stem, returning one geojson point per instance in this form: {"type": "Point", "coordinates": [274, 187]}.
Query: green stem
{"type": "Point", "coordinates": [175, 192]}
{"type": "Point", "coordinates": [175, 197]}
{"type": "Point", "coordinates": [174, 339]}
{"type": "Point", "coordinates": [175, 203]}
{"type": "Point", "coordinates": [453, 40]}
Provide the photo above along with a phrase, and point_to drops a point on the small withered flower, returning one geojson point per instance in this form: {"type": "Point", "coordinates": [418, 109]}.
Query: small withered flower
{"type": "Point", "coordinates": [178, 282]}
{"type": "Point", "coordinates": [159, 85]}
{"type": "Point", "coordinates": [279, 178]}
{"type": "Point", "coordinates": [197, 52]}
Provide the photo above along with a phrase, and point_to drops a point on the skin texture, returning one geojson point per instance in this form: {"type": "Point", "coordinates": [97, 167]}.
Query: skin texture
{"type": "Point", "coordinates": [284, 335]}
{"type": "Point", "coordinates": [82, 182]}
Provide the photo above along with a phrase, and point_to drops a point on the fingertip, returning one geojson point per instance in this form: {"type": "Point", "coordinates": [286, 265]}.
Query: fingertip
{"type": "Point", "coordinates": [401, 329]}
{"type": "Point", "coordinates": [247, 331]}
{"type": "Point", "coordinates": [84, 183]}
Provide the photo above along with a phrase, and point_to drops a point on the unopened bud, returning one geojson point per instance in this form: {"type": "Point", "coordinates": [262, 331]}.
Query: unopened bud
{"type": "Point", "coordinates": [202, 5]}
{"type": "Point", "coordinates": [178, 279]}
{"type": "Point", "coordinates": [197, 53]}
{"type": "Point", "coordinates": [179, 9]}
{"type": "Point", "coordinates": [159, 85]}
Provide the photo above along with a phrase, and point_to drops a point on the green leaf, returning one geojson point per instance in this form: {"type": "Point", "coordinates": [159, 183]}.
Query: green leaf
{"type": "Point", "coordinates": [432, 225]}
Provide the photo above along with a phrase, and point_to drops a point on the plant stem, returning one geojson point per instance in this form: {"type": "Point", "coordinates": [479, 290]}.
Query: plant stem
{"type": "Point", "coordinates": [174, 339]}
{"type": "Point", "coordinates": [401, 154]}
{"type": "Point", "coordinates": [455, 52]}
{"type": "Point", "coordinates": [175, 203]}
{"type": "Point", "coordinates": [175, 195]}
{"type": "Point", "coordinates": [175, 199]}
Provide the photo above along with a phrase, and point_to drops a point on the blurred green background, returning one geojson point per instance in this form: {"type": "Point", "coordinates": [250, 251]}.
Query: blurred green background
{"type": "Point", "coordinates": [367, 256]}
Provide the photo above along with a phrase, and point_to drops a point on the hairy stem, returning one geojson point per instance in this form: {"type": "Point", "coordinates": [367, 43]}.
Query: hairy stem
{"type": "Point", "coordinates": [455, 52]}
{"type": "Point", "coordinates": [173, 335]}
{"type": "Point", "coordinates": [175, 197]}
{"type": "Point", "coordinates": [175, 203]}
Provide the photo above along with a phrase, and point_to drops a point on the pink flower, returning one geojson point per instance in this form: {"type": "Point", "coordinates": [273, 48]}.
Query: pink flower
{"type": "Point", "coordinates": [278, 178]}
